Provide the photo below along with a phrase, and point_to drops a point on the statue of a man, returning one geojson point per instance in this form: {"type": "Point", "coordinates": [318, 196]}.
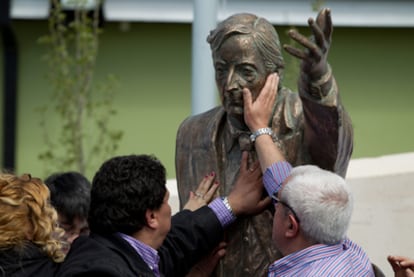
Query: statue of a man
{"type": "Point", "coordinates": [311, 126]}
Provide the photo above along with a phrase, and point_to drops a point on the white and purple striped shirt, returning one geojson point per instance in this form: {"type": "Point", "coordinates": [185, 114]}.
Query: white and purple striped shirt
{"type": "Point", "coordinates": [147, 253]}
{"type": "Point", "coordinates": [342, 259]}
{"type": "Point", "coordinates": [150, 255]}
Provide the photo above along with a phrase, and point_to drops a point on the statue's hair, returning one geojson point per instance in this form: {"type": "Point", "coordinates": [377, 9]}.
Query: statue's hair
{"type": "Point", "coordinates": [262, 31]}
{"type": "Point", "coordinates": [26, 216]}
{"type": "Point", "coordinates": [322, 201]}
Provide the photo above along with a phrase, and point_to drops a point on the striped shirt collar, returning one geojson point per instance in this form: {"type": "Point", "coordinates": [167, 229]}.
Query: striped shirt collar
{"type": "Point", "coordinates": [147, 253]}
{"type": "Point", "coordinates": [302, 261]}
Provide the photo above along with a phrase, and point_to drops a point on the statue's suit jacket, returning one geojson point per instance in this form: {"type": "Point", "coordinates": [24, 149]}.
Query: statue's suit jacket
{"type": "Point", "coordinates": [310, 131]}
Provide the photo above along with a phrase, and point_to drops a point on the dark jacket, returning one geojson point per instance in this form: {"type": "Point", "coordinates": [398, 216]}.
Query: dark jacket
{"type": "Point", "coordinates": [29, 262]}
{"type": "Point", "coordinates": [192, 235]}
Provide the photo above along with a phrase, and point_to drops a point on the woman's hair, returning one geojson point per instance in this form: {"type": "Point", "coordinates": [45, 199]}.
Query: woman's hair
{"type": "Point", "coordinates": [322, 201]}
{"type": "Point", "coordinates": [26, 216]}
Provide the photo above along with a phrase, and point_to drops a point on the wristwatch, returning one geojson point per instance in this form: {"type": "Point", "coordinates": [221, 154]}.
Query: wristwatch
{"type": "Point", "coordinates": [259, 132]}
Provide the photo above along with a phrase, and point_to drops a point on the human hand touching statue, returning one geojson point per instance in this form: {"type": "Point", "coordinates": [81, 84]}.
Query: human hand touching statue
{"type": "Point", "coordinates": [205, 267]}
{"type": "Point", "coordinates": [258, 114]}
{"type": "Point", "coordinates": [245, 197]}
{"type": "Point", "coordinates": [205, 192]}
{"type": "Point", "coordinates": [402, 266]}
{"type": "Point", "coordinates": [314, 56]}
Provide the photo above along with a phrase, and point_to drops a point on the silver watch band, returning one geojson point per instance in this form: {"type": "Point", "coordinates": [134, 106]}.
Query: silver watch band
{"type": "Point", "coordinates": [259, 132]}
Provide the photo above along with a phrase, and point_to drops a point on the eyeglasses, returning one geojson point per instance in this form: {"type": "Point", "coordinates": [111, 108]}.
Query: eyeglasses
{"type": "Point", "coordinates": [277, 200]}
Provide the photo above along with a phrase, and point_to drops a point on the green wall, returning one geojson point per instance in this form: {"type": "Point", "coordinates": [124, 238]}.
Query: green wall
{"type": "Point", "coordinates": [373, 68]}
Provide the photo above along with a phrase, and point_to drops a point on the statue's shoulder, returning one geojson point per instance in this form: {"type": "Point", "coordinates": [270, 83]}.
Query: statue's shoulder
{"type": "Point", "coordinates": [289, 99]}
{"type": "Point", "coordinates": [205, 119]}
{"type": "Point", "coordinates": [198, 131]}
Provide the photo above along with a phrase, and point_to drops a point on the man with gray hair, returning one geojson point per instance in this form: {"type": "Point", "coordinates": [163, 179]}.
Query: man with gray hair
{"type": "Point", "coordinates": [313, 206]}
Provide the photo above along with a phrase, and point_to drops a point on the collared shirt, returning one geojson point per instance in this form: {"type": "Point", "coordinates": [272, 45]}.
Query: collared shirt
{"type": "Point", "coordinates": [223, 214]}
{"type": "Point", "coordinates": [147, 253]}
{"type": "Point", "coordinates": [272, 179]}
{"type": "Point", "coordinates": [342, 259]}
{"type": "Point", "coordinates": [274, 176]}
{"type": "Point", "coordinates": [150, 255]}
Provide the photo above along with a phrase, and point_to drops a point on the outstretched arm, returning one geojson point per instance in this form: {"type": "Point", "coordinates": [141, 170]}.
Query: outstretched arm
{"type": "Point", "coordinates": [328, 131]}
{"type": "Point", "coordinates": [316, 74]}
{"type": "Point", "coordinates": [256, 114]}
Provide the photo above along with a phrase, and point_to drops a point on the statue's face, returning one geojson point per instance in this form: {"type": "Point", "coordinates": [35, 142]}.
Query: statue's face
{"type": "Point", "coordinates": [238, 64]}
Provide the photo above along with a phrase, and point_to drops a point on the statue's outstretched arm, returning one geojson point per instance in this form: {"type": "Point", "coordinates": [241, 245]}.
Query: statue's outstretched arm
{"type": "Point", "coordinates": [316, 75]}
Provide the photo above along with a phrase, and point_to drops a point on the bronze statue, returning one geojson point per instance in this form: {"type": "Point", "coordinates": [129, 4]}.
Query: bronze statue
{"type": "Point", "coordinates": [311, 126]}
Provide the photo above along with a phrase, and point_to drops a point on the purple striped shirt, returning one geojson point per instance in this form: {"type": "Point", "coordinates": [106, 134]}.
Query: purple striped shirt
{"type": "Point", "coordinates": [275, 175]}
{"type": "Point", "coordinates": [272, 179]}
{"type": "Point", "coordinates": [342, 259]}
{"type": "Point", "coordinates": [150, 255]}
{"type": "Point", "coordinates": [147, 253]}
{"type": "Point", "coordinates": [223, 214]}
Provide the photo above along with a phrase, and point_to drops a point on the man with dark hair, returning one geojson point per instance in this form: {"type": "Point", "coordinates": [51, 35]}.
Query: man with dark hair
{"type": "Point", "coordinates": [132, 232]}
{"type": "Point", "coordinates": [70, 196]}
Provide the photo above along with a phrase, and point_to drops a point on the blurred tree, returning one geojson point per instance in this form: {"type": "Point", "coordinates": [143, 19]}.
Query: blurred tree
{"type": "Point", "coordinates": [82, 107]}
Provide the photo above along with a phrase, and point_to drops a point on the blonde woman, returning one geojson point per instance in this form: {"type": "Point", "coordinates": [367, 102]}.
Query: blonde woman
{"type": "Point", "coordinates": [30, 239]}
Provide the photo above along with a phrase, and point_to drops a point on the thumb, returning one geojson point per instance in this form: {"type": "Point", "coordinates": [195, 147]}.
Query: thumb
{"type": "Point", "coordinates": [247, 104]}
{"type": "Point", "coordinates": [263, 204]}
{"type": "Point", "coordinates": [247, 98]}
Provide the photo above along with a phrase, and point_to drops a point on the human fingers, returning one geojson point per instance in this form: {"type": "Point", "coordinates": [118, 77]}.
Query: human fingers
{"type": "Point", "coordinates": [205, 185]}
{"type": "Point", "coordinates": [244, 162]}
{"type": "Point", "coordinates": [205, 266]}
{"type": "Point", "coordinates": [405, 261]}
{"type": "Point", "coordinates": [192, 203]}
{"type": "Point", "coordinates": [212, 191]}
{"type": "Point", "coordinates": [262, 205]}
{"type": "Point", "coordinates": [257, 114]}
{"type": "Point", "coordinates": [394, 262]}
{"type": "Point", "coordinates": [269, 90]}
{"type": "Point", "coordinates": [247, 101]}
{"type": "Point", "coordinates": [247, 189]}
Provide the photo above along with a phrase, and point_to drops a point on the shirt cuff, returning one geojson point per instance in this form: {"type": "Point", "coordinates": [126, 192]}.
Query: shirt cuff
{"type": "Point", "coordinates": [274, 176]}
{"type": "Point", "coordinates": [223, 214]}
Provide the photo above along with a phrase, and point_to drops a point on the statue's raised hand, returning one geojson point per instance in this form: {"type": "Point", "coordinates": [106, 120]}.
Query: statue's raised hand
{"type": "Point", "coordinates": [314, 56]}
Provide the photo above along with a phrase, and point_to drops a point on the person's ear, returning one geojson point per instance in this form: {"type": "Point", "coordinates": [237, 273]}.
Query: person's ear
{"type": "Point", "coordinates": [151, 218]}
{"type": "Point", "coordinates": [293, 227]}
